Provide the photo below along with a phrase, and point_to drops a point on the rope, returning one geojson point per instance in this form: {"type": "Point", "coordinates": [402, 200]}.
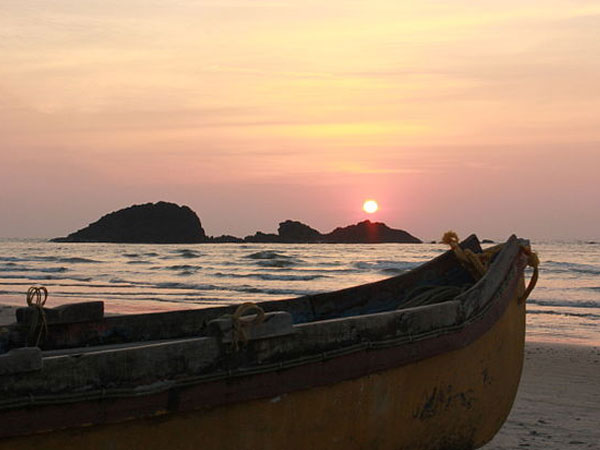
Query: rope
{"type": "Point", "coordinates": [242, 323]}
{"type": "Point", "coordinates": [532, 261]}
{"type": "Point", "coordinates": [478, 263]}
{"type": "Point", "coordinates": [36, 293]}
{"type": "Point", "coordinates": [468, 259]}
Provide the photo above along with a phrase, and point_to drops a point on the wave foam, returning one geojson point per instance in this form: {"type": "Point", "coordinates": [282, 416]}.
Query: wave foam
{"type": "Point", "coordinates": [563, 267]}
{"type": "Point", "coordinates": [267, 254]}
{"type": "Point", "coordinates": [270, 277]}
{"type": "Point", "coordinates": [565, 304]}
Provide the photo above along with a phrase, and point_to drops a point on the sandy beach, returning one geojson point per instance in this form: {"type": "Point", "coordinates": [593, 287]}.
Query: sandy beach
{"type": "Point", "coordinates": [558, 403]}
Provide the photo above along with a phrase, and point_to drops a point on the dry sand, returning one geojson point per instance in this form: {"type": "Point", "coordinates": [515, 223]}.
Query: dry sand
{"type": "Point", "coordinates": [558, 403]}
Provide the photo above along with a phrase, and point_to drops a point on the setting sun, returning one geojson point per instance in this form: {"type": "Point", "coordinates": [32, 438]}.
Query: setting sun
{"type": "Point", "coordinates": [370, 206]}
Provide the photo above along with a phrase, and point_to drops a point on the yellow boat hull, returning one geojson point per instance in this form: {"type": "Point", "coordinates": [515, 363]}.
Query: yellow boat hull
{"type": "Point", "coordinates": [458, 399]}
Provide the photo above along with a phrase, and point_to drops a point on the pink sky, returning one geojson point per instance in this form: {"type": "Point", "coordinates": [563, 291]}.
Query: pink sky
{"type": "Point", "coordinates": [477, 116]}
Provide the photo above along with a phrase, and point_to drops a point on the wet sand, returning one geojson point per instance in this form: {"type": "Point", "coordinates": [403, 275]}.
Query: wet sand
{"type": "Point", "coordinates": [558, 403]}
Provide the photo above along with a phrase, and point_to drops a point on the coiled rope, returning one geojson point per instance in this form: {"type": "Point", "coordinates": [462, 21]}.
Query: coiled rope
{"type": "Point", "coordinates": [478, 263]}
{"type": "Point", "coordinates": [241, 324]}
{"type": "Point", "coordinates": [40, 295]}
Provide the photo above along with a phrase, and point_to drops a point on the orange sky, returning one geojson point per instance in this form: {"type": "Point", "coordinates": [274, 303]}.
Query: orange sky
{"type": "Point", "coordinates": [478, 116]}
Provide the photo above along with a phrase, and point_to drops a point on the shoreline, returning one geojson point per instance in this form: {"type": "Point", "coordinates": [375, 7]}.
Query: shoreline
{"type": "Point", "coordinates": [557, 405]}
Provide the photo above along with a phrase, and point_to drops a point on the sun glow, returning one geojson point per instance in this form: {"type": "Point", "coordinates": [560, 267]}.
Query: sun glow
{"type": "Point", "coordinates": [370, 206]}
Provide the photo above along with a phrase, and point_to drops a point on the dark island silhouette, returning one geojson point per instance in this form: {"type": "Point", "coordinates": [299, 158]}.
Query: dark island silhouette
{"type": "Point", "coordinates": [152, 223]}
{"type": "Point", "coordinates": [168, 223]}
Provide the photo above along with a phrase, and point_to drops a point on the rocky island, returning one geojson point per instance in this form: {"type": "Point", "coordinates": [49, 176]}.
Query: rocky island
{"type": "Point", "coordinates": [168, 223]}
{"type": "Point", "coordinates": [150, 223]}
{"type": "Point", "coordinates": [366, 232]}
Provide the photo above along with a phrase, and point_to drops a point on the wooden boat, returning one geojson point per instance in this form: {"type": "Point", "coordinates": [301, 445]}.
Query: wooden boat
{"type": "Point", "coordinates": [430, 359]}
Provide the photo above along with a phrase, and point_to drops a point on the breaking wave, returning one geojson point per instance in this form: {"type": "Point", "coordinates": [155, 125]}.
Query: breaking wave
{"type": "Point", "coordinates": [271, 276]}
{"type": "Point", "coordinates": [562, 267]}
{"type": "Point", "coordinates": [565, 304]}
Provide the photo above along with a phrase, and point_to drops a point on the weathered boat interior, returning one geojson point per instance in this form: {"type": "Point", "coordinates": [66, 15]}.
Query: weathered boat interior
{"type": "Point", "coordinates": [83, 356]}
{"type": "Point", "coordinates": [84, 325]}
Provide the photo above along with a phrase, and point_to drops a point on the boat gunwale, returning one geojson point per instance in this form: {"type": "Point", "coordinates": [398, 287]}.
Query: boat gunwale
{"type": "Point", "coordinates": [464, 333]}
{"type": "Point", "coordinates": [193, 322]}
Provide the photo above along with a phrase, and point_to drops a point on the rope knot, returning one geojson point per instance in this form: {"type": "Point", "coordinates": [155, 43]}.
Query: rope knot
{"type": "Point", "coordinates": [36, 299]}
{"type": "Point", "coordinates": [36, 292]}
{"type": "Point", "coordinates": [450, 238]}
{"type": "Point", "coordinates": [241, 324]}
{"type": "Point", "coordinates": [468, 259]}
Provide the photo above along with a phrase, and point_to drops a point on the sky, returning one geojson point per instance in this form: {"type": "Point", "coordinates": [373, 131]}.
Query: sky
{"type": "Point", "coordinates": [474, 116]}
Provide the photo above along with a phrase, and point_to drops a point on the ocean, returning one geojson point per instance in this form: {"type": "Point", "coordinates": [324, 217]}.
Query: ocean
{"type": "Point", "coordinates": [130, 278]}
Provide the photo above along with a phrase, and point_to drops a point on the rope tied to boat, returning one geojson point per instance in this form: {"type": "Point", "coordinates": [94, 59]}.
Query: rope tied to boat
{"type": "Point", "coordinates": [36, 299]}
{"type": "Point", "coordinates": [478, 263]}
{"type": "Point", "coordinates": [241, 323]}
{"type": "Point", "coordinates": [532, 261]}
{"type": "Point", "coordinates": [473, 262]}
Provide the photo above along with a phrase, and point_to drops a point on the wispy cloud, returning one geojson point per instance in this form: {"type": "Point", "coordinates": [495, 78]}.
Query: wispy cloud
{"type": "Point", "coordinates": [340, 93]}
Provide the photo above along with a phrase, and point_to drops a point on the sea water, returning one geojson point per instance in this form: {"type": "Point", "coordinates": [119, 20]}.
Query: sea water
{"type": "Point", "coordinates": [129, 278]}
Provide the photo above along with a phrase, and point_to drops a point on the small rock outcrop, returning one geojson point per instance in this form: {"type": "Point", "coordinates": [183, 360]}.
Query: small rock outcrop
{"type": "Point", "coordinates": [292, 231]}
{"type": "Point", "coordinates": [262, 238]}
{"type": "Point", "coordinates": [224, 239]}
{"type": "Point", "coordinates": [150, 223]}
{"type": "Point", "coordinates": [368, 232]}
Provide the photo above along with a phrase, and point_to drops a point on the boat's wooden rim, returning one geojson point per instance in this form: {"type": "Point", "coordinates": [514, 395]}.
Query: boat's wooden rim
{"type": "Point", "coordinates": [483, 305]}
{"type": "Point", "coordinates": [179, 324]}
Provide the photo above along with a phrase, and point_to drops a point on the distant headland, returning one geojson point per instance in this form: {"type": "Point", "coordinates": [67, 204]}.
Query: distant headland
{"type": "Point", "coordinates": [168, 223]}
